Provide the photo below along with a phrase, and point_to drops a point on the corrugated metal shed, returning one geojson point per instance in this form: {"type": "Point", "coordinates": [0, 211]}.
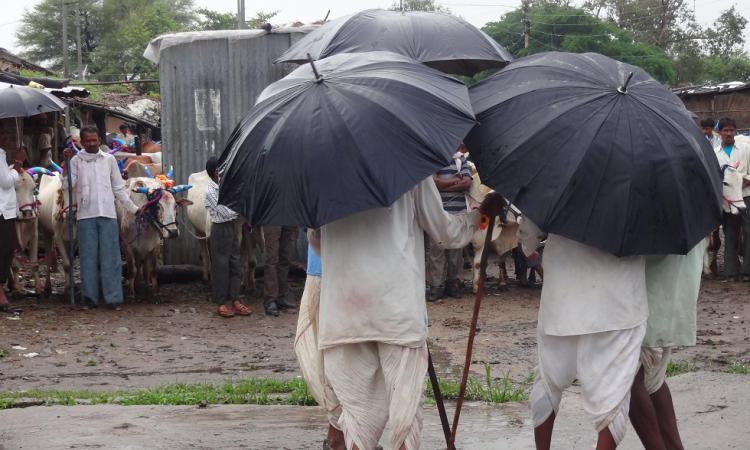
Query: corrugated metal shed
{"type": "Point", "coordinates": [208, 81]}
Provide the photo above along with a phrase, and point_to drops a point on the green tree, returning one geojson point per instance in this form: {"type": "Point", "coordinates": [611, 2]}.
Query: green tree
{"type": "Point", "coordinates": [726, 37]}
{"type": "Point", "coordinates": [40, 33]}
{"type": "Point", "coordinates": [214, 20]}
{"type": "Point", "coordinates": [419, 5]}
{"type": "Point", "coordinates": [559, 28]}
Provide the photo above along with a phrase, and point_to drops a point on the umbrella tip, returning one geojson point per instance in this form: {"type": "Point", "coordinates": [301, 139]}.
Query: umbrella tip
{"type": "Point", "coordinates": [318, 77]}
{"type": "Point", "coordinates": [624, 88]}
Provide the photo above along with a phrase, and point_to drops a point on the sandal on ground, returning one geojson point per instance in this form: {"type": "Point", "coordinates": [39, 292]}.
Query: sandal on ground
{"type": "Point", "coordinates": [225, 311]}
{"type": "Point", "coordinates": [241, 310]}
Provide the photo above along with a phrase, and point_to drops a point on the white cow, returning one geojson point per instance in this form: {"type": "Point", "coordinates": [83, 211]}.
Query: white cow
{"type": "Point", "coordinates": [252, 237]}
{"type": "Point", "coordinates": [27, 231]}
{"type": "Point", "coordinates": [504, 235]}
{"type": "Point", "coordinates": [53, 221]}
{"type": "Point", "coordinates": [732, 203]}
{"type": "Point", "coordinates": [141, 237]}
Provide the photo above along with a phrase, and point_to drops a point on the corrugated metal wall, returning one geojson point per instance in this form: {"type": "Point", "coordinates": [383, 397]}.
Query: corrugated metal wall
{"type": "Point", "coordinates": [207, 86]}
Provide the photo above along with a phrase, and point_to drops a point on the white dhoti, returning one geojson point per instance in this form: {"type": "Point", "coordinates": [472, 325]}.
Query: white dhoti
{"type": "Point", "coordinates": [655, 362]}
{"type": "Point", "coordinates": [605, 363]}
{"type": "Point", "coordinates": [309, 356]}
{"type": "Point", "coordinates": [378, 384]}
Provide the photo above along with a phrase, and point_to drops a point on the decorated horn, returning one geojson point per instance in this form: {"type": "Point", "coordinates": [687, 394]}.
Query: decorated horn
{"type": "Point", "coordinates": [38, 171]}
{"type": "Point", "coordinates": [148, 172]}
{"type": "Point", "coordinates": [55, 167]}
{"type": "Point", "coordinates": [170, 172]}
{"type": "Point", "coordinates": [142, 190]}
{"type": "Point", "coordinates": [179, 188]}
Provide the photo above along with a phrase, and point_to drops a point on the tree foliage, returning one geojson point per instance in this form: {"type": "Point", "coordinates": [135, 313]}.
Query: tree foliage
{"type": "Point", "coordinates": [419, 5]}
{"type": "Point", "coordinates": [561, 28]}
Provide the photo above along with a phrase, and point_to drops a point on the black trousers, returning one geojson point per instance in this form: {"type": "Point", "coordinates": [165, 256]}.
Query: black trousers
{"type": "Point", "coordinates": [7, 245]}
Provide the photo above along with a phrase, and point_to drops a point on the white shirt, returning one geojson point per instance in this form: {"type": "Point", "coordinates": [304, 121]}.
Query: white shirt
{"type": "Point", "coordinates": [8, 178]}
{"type": "Point", "coordinates": [741, 156]}
{"type": "Point", "coordinates": [586, 290]}
{"type": "Point", "coordinates": [97, 183]}
{"type": "Point", "coordinates": [373, 286]}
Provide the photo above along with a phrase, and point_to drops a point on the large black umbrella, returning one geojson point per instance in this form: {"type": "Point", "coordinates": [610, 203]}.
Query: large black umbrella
{"type": "Point", "coordinates": [445, 42]}
{"type": "Point", "coordinates": [22, 101]}
{"type": "Point", "coordinates": [357, 135]}
{"type": "Point", "coordinates": [597, 151]}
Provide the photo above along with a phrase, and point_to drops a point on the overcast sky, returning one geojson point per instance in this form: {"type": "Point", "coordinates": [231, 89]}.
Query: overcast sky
{"type": "Point", "coordinates": [477, 12]}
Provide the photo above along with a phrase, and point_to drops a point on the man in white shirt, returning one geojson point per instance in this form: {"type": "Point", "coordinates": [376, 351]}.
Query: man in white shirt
{"type": "Point", "coordinates": [8, 207]}
{"type": "Point", "coordinates": [592, 320]}
{"type": "Point", "coordinates": [96, 182]}
{"type": "Point", "coordinates": [373, 316]}
{"type": "Point", "coordinates": [732, 153]}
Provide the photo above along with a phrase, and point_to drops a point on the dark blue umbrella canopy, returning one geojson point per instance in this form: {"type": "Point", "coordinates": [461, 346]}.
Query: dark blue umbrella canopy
{"type": "Point", "coordinates": [597, 151]}
{"type": "Point", "coordinates": [357, 136]}
{"type": "Point", "coordinates": [443, 41]}
{"type": "Point", "coordinates": [22, 101]}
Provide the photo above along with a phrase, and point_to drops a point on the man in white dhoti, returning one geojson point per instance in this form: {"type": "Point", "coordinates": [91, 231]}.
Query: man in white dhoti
{"type": "Point", "coordinates": [673, 284]}
{"type": "Point", "coordinates": [309, 356]}
{"type": "Point", "coordinates": [373, 316]}
{"type": "Point", "coordinates": [592, 319]}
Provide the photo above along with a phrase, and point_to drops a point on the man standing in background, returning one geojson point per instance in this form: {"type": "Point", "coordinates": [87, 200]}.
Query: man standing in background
{"type": "Point", "coordinates": [278, 253]}
{"type": "Point", "coordinates": [443, 266]}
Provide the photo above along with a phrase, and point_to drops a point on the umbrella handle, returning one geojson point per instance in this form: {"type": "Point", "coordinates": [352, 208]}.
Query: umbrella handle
{"type": "Point", "coordinates": [472, 330]}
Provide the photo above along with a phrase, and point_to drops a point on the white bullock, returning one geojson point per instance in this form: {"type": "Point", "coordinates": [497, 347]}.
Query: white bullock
{"type": "Point", "coordinates": [27, 231]}
{"type": "Point", "coordinates": [53, 220]}
{"type": "Point", "coordinates": [141, 236]}
{"type": "Point", "coordinates": [504, 235]}
{"type": "Point", "coordinates": [732, 203]}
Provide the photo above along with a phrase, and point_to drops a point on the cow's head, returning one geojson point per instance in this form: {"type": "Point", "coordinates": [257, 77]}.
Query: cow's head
{"type": "Point", "coordinates": [159, 204]}
{"type": "Point", "coordinates": [732, 189]}
{"type": "Point", "coordinates": [25, 198]}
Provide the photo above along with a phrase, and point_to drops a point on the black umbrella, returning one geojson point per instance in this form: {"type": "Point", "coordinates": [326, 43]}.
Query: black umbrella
{"type": "Point", "coordinates": [445, 42]}
{"type": "Point", "coordinates": [22, 101]}
{"type": "Point", "coordinates": [597, 151]}
{"type": "Point", "coordinates": [356, 134]}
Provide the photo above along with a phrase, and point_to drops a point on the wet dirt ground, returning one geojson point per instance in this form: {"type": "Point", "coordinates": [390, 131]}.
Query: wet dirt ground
{"type": "Point", "coordinates": [181, 339]}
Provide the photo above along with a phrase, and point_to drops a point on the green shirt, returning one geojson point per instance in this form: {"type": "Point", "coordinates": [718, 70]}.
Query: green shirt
{"type": "Point", "coordinates": [673, 284]}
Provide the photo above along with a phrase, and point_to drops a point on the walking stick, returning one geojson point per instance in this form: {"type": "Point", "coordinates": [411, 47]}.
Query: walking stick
{"type": "Point", "coordinates": [439, 400]}
{"type": "Point", "coordinates": [71, 247]}
{"type": "Point", "coordinates": [472, 330]}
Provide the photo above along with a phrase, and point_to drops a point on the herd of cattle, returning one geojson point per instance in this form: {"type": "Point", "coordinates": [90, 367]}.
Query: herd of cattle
{"type": "Point", "coordinates": [43, 209]}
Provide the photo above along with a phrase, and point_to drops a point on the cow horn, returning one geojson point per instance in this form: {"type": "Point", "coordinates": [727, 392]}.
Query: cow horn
{"type": "Point", "coordinates": [179, 188]}
{"type": "Point", "coordinates": [141, 190]}
{"type": "Point", "coordinates": [55, 167]}
{"type": "Point", "coordinates": [38, 171]}
{"type": "Point", "coordinates": [170, 172]}
{"type": "Point", "coordinates": [148, 172]}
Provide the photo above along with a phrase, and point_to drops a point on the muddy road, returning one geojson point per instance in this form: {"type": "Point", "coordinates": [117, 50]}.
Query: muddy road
{"type": "Point", "coordinates": [180, 339]}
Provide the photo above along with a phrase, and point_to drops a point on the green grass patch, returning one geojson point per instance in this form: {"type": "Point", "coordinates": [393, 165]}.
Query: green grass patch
{"type": "Point", "coordinates": [90, 363]}
{"type": "Point", "coordinates": [256, 391]}
{"type": "Point", "coordinates": [489, 390]}
{"type": "Point", "coordinates": [740, 368]}
{"type": "Point", "coordinates": [3, 353]}
{"type": "Point", "coordinates": [679, 367]}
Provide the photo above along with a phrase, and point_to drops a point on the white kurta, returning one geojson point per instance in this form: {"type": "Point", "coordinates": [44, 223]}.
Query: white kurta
{"type": "Point", "coordinates": [97, 183]}
{"type": "Point", "coordinates": [586, 290]}
{"type": "Point", "coordinates": [374, 283]}
{"type": "Point", "coordinates": [740, 157]}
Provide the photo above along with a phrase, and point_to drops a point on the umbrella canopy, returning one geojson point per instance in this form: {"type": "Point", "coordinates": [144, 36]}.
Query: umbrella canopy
{"type": "Point", "coordinates": [597, 151]}
{"type": "Point", "coordinates": [357, 136]}
{"type": "Point", "coordinates": [21, 101]}
{"type": "Point", "coordinates": [445, 42]}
